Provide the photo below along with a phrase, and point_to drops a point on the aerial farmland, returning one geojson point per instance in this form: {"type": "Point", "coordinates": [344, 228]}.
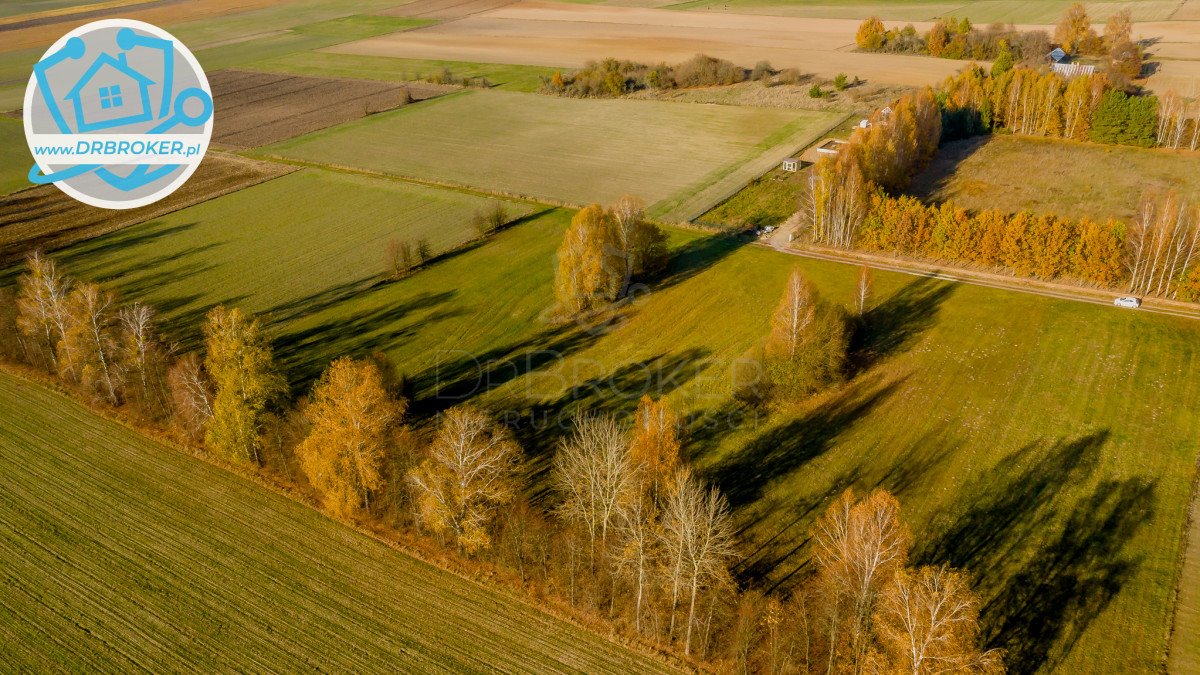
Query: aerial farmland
{"type": "Point", "coordinates": [772, 336]}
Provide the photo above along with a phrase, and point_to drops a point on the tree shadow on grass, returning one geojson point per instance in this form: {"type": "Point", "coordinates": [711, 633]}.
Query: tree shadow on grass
{"type": "Point", "coordinates": [1045, 566]}
{"type": "Point", "coordinates": [304, 353]}
{"type": "Point", "coordinates": [932, 183]}
{"type": "Point", "coordinates": [787, 447]}
{"type": "Point", "coordinates": [694, 257]}
{"type": "Point", "coordinates": [893, 326]}
{"type": "Point", "coordinates": [779, 561]}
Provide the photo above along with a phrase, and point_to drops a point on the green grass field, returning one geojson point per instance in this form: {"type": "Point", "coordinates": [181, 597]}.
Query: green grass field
{"type": "Point", "coordinates": [15, 159]}
{"type": "Point", "coordinates": [1045, 445]}
{"type": "Point", "coordinates": [1076, 179]}
{"type": "Point", "coordinates": [768, 200]}
{"type": "Point", "coordinates": [321, 226]}
{"type": "Point", "coordinates": [118, 554]}
{"type": "Point", "coordinates": [680, 158]}
{"type": "Point", "coordinates": [388, 69]}
{"type": "Point", "coordinates": [978, 11]}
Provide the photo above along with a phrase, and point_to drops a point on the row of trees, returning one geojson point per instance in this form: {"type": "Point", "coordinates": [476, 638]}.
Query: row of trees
{"type": "Point", "coordinates": [1044, 246]}
{"type": "Point", "coordinates": [603, 253]}
{"type": "Point", "coordinates": [612, 77]}
{"type": "Point", "coordinates": [953, 38]}
{"type": "Point", "coordinates": [633, 535]}
{"type": "Point", "coordinates": [888, 153]}
{"type": "Point", "coordinates": [1033, 103]}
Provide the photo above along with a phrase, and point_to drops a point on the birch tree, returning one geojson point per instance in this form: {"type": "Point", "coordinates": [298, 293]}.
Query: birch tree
{"type": "Point", "coordinates": [191, 396]}
{"type": "Point", "coordinates": [859, 546]}
{"type": "Point", "coordinates": [469, 473]}
{"type": "Point", "coordinates": [928, 622]}
{"type": "Point", "coordinates": [42, 309]}
{"type": "Point", "coordinates": [864, 291]}
{"type": "Point", "coordinates": [594, 473]}
{"type": "Point", "coordinates": [698, 536]}
{"type": "Point", "coordinates": [143, 354]}
{"type": "Point", "coordinates": [638, 547]}
{"type": "Point", "coordinates": [1163, 242]}
{"type": "Point", "coordinates": [89, 343]}
{"type": "Point", "coordinates": [239, 361]}
{"type": "Point", "coordinates": [654, 449]}
{"type": "Point", "coordinates": [352, 420]}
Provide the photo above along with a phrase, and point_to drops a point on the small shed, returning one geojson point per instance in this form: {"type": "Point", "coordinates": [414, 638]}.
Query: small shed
{"type": "Point", "coordinates": [1057, 55]}
{"type": "Point", "coordinates": [791, 164]}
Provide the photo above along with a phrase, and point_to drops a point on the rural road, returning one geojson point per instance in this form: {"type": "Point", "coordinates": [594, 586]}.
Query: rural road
{"type": "Point", "coordinates": [968, 278]}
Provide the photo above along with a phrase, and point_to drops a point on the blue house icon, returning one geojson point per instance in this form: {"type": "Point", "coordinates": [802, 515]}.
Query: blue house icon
{"type": "Point", "coordinates": [110, 94]}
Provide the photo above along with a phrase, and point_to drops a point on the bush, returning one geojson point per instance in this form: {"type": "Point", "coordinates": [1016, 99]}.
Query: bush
{"type": "Point", "coordinates": [487, 222]}
{"type": "Point", "coordinates": [400, 258]}
{"type": "Point", "coordinates": [611, 78]}
{"type": "Point", "coordinates": [762, 70]}
{"type": "Point", "coordinates": [790, 76]}
{"type": "Point", "coordinates": [816, 91]}
{"type": "Point", "coordinates": [841, 82]}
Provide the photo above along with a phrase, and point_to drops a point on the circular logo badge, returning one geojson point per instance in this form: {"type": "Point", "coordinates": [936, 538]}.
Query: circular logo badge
{"type": "Point", "coordinates": [118, 114]}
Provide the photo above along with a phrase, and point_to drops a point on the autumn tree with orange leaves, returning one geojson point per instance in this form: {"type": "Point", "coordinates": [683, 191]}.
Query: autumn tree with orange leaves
{"type": "Point", "coordinates": [352, 420]}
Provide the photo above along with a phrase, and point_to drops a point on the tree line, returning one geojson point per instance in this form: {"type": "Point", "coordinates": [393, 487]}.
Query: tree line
{"type": "Point", "coordinates": [848, 202]}
{"type": "Point", "coordinates": [630, 537]}
{"type": "Point", "coordinates": [1085, 108]}
{"type": "Point", "coordinates": [953, 38]}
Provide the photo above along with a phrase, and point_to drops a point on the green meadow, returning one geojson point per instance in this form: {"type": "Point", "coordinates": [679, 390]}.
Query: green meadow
{"type": "Point", "coordinates": [1046, 446]}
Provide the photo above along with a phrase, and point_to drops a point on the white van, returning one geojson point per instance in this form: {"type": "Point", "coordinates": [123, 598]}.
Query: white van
{"type": "Point", "coordinates": [1132, 303]}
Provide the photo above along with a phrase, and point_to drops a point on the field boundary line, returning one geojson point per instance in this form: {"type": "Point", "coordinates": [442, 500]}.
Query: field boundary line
{"type": "Point", "coordinates": [33, 376]}
{"type": "Point", "coordinates": [963, 275]}
{"type": "Point", "coordinates": [1190, 523]}
{"type": "Point", "coordinates": [797, 150]}
{"type": "Point", "coordinates": [424, 182]}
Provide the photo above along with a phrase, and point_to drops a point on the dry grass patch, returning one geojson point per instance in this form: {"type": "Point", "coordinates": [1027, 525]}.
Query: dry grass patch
{"type": "Point", "coordinates": [1053, 176]}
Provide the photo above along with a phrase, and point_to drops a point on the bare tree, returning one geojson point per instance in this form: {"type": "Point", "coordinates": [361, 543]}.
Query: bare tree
{"type": "Point", "coordinates": [1163, 240]}
{"type": "Point", "coordinates": [142, 351]}
{"type": "Point", "coordinates": [796, 312]}
{"type": "Point", "coordinates": [191, 395]}
{"type": "Point", "coordinates": [637, 547]}
{"type": "Point", "coordinates": [468, 474]}
{"type": "Point", "coordinates": [594, 473]}
{"type": "Point", "coordinates": [698, 536]}
{"type": "Point", "coordinates": [90, 340]}
{"type": "Point", "coordinates": [864, 290]}
{"type": "Point", "coordinates": [42, 308]}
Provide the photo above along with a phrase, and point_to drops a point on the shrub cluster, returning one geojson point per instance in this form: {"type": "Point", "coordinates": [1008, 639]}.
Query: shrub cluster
{"type": "Point", "coordinates": [611, 78]}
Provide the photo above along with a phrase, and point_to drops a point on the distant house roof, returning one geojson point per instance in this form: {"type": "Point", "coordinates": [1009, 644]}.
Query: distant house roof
{"type": "Point", "coordinates": [1058, 54]}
